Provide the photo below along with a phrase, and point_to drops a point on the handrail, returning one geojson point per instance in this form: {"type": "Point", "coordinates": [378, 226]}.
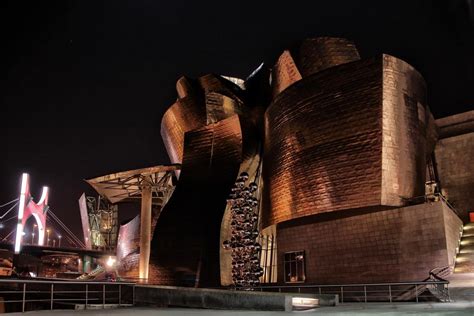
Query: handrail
{"type": "Point", "coordinates": [395, 291]}
{"type": "Point", "coordinates": [354, 284]}
{"type": "Point", "coordinates": [426, 198]}
{"type": "Point", "coordinates": [65, 282]}
{"type": "Point", "coordinates": [63, 291]}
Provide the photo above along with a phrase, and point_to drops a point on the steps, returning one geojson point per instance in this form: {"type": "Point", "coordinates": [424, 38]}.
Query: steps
{"type": "Point", "coordinates": [93, 274]}
{"type": "Point", "coordinates": [465, 257]}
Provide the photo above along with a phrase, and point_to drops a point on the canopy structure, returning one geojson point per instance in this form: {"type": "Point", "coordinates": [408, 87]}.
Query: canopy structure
{"type": "Point", "coordinates": [152, 186]}
{"type": "Point", "coordinates": [127, 186]}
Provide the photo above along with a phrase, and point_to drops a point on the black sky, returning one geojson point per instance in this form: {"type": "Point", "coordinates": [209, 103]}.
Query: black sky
{"type": "Point", "coordinates": [85, 83]}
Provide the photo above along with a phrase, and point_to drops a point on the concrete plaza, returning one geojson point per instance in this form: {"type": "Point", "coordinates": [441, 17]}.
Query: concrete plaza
{"type": "Point", "coordinates": [454, 308]}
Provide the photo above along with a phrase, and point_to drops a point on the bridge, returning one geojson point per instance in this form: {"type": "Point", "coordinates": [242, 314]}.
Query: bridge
{"type": "Point", "coordinates": [34, 239]}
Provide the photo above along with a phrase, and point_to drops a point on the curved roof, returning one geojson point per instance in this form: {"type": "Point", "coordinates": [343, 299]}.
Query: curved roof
{"type": "Point", "coordinates": [126, 186]}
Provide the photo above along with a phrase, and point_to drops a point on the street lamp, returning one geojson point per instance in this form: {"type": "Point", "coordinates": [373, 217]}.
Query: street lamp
{"type": "Point", "coordinates": [54, 242]}
{"type": "Point", "coordinates": [59, 243]}
{"type": "Point", "coordinates": [48, 230]}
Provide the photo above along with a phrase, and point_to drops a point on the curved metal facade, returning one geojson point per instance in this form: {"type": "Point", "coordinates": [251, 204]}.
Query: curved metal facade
{"type": "Point", "coordinates": [211, 130]}
{"type": "Point", "coordinates": [309, 57]}
{"type": "Point", "coordinates": [342, 136]}
{"type": "Point", "coordinates": [348, 137]}
{"type": "Point", "coordinates": [316, 54]}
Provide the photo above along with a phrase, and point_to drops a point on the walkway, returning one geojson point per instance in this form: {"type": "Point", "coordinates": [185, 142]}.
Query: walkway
{"type": "Point", "coordinates": [457, 308]}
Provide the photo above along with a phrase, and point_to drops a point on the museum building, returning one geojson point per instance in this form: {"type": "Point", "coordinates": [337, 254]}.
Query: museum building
{"type": "Point", "coordinates": [357, 182]}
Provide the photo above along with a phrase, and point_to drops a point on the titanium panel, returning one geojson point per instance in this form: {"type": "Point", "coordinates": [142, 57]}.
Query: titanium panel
{"type": "Point", "coordinates": [352, 136]}
{"type": "Point", "coordinates": [316, 54]}
{"type": "Point", "coordinates": [186, 239]}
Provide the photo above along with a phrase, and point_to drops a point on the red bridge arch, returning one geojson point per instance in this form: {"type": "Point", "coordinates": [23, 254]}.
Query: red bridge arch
{"type": "Point", "coordinates": [27, 208]}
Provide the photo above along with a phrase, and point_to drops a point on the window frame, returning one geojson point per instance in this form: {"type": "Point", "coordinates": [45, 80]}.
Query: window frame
{"type": "Point", "coordinates": [303, 266]}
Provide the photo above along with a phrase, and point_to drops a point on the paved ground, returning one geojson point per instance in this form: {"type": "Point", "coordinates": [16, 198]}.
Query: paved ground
{"type": "Point", "coordinates": [456, 308]}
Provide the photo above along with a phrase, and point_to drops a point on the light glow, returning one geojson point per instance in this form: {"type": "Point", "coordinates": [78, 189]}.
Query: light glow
{"type": "Point", "coordinates": [306, 302]}
{"type": "Point", "coordinates": [110, 262]}
{"type": "Point", "coordinates": [19, 230]}
{"type": "Point", "coordinates": [44, 196]}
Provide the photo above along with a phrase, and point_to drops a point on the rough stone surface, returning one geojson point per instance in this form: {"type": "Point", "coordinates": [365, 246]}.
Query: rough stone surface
{"type": "Point", "coordinates": [455, 165]}
{"type": "Point", "coordinates": [220, 299]}
{"type": "Point", "coordinates": [366, 246]}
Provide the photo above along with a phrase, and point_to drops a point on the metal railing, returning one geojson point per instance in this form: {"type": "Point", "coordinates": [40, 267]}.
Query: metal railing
{"type": "Point", "coordinates": [22, 295]}
{"type": "Point", "coordinates": [372, 292]}
{"type": "Point", "coordinates": [432, 198]}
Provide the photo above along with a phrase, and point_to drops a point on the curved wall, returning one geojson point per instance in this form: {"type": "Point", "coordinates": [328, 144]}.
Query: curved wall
{"type": "Point", "coordinates": [316, 54]}
{"type": "Point", "coordinates": [185, 245]}
{"type": "Point", "coordinates": [332, 140]}
{"type": "Point", "coordinates": [181, 117]}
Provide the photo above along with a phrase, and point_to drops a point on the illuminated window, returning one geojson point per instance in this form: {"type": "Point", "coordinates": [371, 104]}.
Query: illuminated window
{"type": "Point", "coordinates": [294, 267]}
{"type": "Point", "coordinates": [268, 258]}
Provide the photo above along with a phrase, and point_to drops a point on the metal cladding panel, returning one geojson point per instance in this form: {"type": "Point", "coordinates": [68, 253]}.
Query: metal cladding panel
{"type": "Point", "coordinates": [406, 119]}
{"type": "Point", "coordinates": [316, 54]}
{"type": "Point", "coordinates": [284, 73]}
{"type": "Point", "coordinates": [185, 245]}
{"type": "Point", "coordinates": [185, 115]}
{"type": "Point", "coordinates": [323, 143]}
{"type": "Point", "coordinates": [128, 238]}
{"type": "Point", "coordinates": [351, 136]}
{"type": "Point", "coordinates": [214, 83]}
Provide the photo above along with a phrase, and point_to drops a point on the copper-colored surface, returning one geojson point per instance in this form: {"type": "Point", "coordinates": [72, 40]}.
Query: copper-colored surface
{"type": "Point", "coordinates": [126, 186]}
{"type": "Point", "coordinates": [185, 115]}
{"type": "Point", "coordinates": [214, 83]}
{"type": "Point", "coordinates": [184, 87]}
{"type": "Point", "coordinates": [220, 107]}
{"type": "Point", "coordinates": [316, 54]}
{"type": "Point", "coordinates": [186, 239]}
{"type": "Point", "coordinates": [404, 127]}
{"type": "Point", "coordinates": [345, 139]}
{"type": "Point", "coordinates": [284, 73]}
{"type": "Point", "coordinates": [311, 56]}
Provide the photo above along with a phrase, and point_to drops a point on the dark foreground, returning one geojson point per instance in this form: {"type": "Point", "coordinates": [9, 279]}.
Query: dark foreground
{"type": "Point", "coordinates": [455, 308]}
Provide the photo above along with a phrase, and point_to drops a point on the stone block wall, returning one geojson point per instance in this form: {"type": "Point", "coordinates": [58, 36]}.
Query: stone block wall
{"type": "Point", "coordinates": [454, 154]}
{"type": "Point", "coordinates": [367, 245]}
{"type": "Point", "coordinates": [405, 124]}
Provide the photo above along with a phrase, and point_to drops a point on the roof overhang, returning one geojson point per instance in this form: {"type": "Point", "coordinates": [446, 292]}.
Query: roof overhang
{"type": "Point", "coordinates": [127, 186]}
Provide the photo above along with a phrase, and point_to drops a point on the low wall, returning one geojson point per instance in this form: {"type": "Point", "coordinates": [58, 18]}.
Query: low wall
{"type": "Point", "coordinates": [395, 245]}
{"type": "Point", "coordinates": [221, 299]}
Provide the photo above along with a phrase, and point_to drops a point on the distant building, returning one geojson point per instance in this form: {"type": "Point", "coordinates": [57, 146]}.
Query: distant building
{"type": "Point", "coordinates": [99, 222]}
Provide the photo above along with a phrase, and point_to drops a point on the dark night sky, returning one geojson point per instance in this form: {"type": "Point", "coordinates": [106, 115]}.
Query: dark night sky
{"type": "Point", "coordinates": [85, 83]}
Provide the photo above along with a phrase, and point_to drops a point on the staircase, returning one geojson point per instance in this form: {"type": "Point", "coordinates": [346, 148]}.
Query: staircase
{"type": "Point", "coordinates": [93, 274]}
{"type": "Point", "coordinates": [465, 257]}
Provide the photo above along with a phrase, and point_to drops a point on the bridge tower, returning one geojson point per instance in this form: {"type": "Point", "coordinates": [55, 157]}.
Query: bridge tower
{"type": "Point", "coordinates": [27, 208]}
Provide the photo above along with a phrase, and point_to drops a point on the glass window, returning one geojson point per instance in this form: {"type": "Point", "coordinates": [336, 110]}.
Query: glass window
{"type": "Point", "coordinates": [268, 259]}
{"type": "Point", "coordinates": [294, 267]}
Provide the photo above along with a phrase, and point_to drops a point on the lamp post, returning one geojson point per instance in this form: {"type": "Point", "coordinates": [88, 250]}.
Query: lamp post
{"type": "Point", "coordinates": [54, 242]}
{"type": "Point", "coordinates": [59, 241]}
{"type": "Point", "coordinates": [47, 231]}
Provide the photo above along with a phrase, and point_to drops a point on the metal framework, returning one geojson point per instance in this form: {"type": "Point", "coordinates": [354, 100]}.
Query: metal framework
{"type": "Point", "coordinates": [27, 208]}
{"type": "Point", "coordinates": [127, 186]}
{"type": "Point", "coordinates": [152, 186]}
{"type": "Point", "coordinates": [99, 222]}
